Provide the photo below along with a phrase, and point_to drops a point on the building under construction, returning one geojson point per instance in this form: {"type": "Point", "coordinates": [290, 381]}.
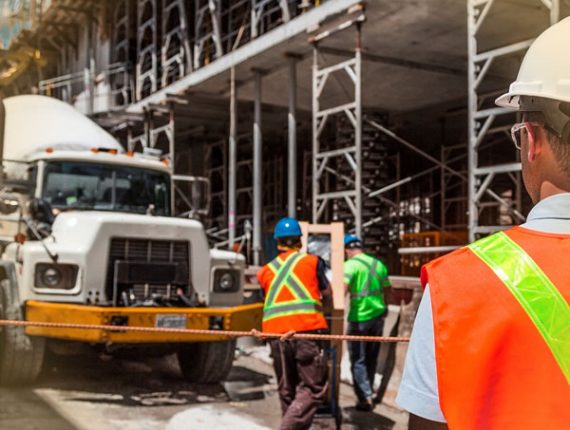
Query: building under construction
{"type": "Point", "coordinates": [379, 114]}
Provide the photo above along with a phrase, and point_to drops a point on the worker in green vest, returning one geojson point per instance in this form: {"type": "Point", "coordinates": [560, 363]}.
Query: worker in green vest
{"type": "Point", "coordinates": [365, 278]}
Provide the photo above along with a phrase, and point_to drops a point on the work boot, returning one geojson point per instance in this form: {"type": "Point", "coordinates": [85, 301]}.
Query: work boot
{"type": "Point", "coordinates": [365, 405]}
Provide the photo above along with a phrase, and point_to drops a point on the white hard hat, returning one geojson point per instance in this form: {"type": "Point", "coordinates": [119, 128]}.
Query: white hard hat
{"type": "Point", "coordinates": [545, 70]}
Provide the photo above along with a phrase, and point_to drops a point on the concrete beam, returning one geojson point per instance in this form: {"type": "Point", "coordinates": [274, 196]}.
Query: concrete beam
{"type": "Point", "coordinates": [392, 61]}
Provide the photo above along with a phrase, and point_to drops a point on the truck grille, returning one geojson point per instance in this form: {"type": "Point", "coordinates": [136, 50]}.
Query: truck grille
{"type": "Point", "coordinates": [154, 253]}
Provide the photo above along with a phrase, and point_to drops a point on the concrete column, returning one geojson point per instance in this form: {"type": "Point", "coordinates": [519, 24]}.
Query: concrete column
{"type": "Point", "coordinates": [292, 144]}
{"type": "Point", "coordinates": [232, 162]}
{"type": "Point", "coordinates": [257, 172]}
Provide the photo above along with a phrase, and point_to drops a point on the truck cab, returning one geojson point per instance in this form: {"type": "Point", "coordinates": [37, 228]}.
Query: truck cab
{"type": "Point", "coordinates": [88, 235]}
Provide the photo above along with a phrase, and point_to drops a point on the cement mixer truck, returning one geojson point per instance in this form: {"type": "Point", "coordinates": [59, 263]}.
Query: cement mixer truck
{"type": "Point", "coordinates": [88, 235]}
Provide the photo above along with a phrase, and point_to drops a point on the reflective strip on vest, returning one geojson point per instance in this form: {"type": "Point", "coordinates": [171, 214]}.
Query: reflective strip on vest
{"type": "Point", "coordinates": [534, 291]}
{"type": "Point", "coordinates": [291, 309]}
{"type": "Point", "coordinates": [284, 277]}
{"type": "Point", "coordinates": [372, 274]}
{"type": "Point", "coordinates": [281, 276]}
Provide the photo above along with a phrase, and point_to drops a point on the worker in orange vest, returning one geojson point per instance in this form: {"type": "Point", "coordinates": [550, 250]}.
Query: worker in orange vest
{"type": "Point", "coordinates": [490, 347]}
{"type": "Point", "coordinates": [296, 290]}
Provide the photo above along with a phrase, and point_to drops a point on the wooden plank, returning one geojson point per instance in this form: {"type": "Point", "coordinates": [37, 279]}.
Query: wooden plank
{"type": "Point", "coordinates": [336, 322]}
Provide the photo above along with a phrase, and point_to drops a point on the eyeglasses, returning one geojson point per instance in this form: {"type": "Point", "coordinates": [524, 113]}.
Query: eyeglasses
{"type": "Point", "coordinates": [516, 131]}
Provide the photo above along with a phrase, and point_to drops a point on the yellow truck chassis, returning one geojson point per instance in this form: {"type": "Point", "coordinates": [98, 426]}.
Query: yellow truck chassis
{"type": "Point", "coordinates": [240, 318]}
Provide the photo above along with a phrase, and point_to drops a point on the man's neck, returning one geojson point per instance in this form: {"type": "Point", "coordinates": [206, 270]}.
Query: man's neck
{"type": "Point", "coordinates": [284, 249]}
{"type": "Point", "coordinates": [548, 189]}
{"type": "Point", "coordinates": [356, 253]}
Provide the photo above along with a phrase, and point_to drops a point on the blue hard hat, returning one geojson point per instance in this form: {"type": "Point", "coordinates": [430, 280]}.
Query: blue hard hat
{"type": "Point", "coordinates": [350, 238]}
{"type": "Point", "coordinates": [287, 227]}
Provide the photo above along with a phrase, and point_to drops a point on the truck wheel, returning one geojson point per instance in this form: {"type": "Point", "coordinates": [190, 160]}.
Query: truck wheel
{"type": "Point", "coordinates": [207, 362]}
{"type": "Point", "coordinates": [21, 356]}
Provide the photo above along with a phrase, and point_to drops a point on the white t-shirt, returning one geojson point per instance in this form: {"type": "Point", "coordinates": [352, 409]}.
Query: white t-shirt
{"type": "Point", "coordinates": [418, 390]}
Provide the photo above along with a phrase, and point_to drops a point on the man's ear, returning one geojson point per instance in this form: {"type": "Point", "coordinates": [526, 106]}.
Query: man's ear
{"type": "Point", "coordinates": [535, 142]}
{"type": "Point", "coordinates": [531, 154]}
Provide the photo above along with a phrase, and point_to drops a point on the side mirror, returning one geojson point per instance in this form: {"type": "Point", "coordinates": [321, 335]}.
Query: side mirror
{"type": "Point", "coordinates": [19, 186]}
{"type": "Point", "coordinates": [8, 204]}
{"type": "Point", "coordinates": [160, 197]}
{"type": "Point", "coordinates": [200, 196]}
{"type": "Point", "coordinates": [194, 192]}
{"type": "Point", "coordinates": [41, 211]}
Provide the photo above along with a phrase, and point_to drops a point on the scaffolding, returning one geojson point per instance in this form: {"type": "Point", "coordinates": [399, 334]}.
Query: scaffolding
{"type": "Point", "coordinates": [121, 85]}
{"type": "Point", "coordinates": [350, 152]}
{"type": "Point", "coordinates": [207, 35]}
{"type": "Point", "coordinates": [175, 52]}
{"type": "Point", "coordinates": [217, 173]}
{"type": "Point", "coordinates": [453, 201]}
{"type": "Point", "coordinates": [147, 48]}
{"type": "Point", "coordinates": [165, 53]}
{"type": "Point", "coordinates": [485, 124]}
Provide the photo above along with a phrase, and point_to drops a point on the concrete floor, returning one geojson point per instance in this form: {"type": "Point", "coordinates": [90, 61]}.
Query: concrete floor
{"type": "Point", "coordinates": [91, 393]}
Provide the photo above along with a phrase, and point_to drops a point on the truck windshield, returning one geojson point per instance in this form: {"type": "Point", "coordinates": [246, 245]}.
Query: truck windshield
{"type": "Point", "coordinates": [71, 185]}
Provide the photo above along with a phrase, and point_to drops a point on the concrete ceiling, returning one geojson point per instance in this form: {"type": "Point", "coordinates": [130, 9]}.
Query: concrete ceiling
{"type": "Point", "coordinates": [415, 55]}
{"type": "Point", "coordinates": [414, 51]}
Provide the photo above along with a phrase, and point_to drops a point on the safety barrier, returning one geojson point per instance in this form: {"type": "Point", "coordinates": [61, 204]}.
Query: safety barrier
{"type": "Point", "coordinates": [228, 333]}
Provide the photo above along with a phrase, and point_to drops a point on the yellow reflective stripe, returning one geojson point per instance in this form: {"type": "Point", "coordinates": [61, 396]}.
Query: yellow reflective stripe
{"type": "Point", "coordinates": [299, 285]}
{"type": "Point", "coordinates": [286, 278]}
{"type": "Point", "coordinates": [534, 291]}
{"type": "Point", "coordinates": [290, 308]}
{"type": "Point", "coordinates": [372, 274]}
{"type": "Point", "coordinates": [280, 276]}
{"type": "Point", "coordinates": [273, 268]}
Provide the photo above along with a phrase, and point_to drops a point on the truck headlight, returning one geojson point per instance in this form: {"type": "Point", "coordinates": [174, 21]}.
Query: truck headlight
{"type": "Point", "coordinates": [56, 276]}
{"type": "Point", "coordinates": [51, 277]}
{"type": "Point", "coordinates": [226, 281]}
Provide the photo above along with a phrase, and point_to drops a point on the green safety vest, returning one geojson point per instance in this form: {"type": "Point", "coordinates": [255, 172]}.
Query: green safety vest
{"type": "Point", "coordinates": [365, 276]}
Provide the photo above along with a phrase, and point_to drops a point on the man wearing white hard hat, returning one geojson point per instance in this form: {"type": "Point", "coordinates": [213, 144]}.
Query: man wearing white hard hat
{"type": "Point", "coordinates": [490, 347]}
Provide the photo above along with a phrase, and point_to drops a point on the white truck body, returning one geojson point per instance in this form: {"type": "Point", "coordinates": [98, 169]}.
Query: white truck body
{"type": "Point", "coordinates": [41, 130]}
{"type": "Point", "coordinates": [113, 254]}
{"type": "Point", "coordinates": [33, 124]}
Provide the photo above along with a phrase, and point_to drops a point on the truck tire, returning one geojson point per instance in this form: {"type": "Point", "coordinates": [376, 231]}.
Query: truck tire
{"type": "Point", "coordinates": [21, 356]}
{"type": "Point", "coordinates": [207, 362]}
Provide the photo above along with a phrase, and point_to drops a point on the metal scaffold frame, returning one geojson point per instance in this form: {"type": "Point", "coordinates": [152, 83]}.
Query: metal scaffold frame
{"type": "Point", "coordinates": [121, 86]}
{"type": "Point", "coordinates": [217, 173]}
{"type": "Point", "coordinates": [206, 30]}
{"type": "Point", "coordinates": [159, 133]}
{"type": "Point", "coordinates": [175, 52]}
{"type": "Point", "coordinates": [353, 110]}
{"type": "Point", "coordinates": [147, 61]}
{"type": "Point", "coordinates": [453, 188]}
{"type": "Point", "coordinates": [259, 8]}
{"type": "Point", "coordinates": [481, 119]}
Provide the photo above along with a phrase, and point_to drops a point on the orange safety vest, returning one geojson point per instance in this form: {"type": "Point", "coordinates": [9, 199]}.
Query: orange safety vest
{"type": "Point", "coordinates": [292, 296]}
{"type": "Point", "coordinates": [502, 332]}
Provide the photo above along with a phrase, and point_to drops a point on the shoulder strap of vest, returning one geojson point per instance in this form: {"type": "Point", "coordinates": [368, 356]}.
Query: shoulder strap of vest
{"type": "Point", "coordinates": [372, 274]}
{"type": "Point", "coordinates": [285, 277]}
{"type": "Point", "coordinates": [534, 291]}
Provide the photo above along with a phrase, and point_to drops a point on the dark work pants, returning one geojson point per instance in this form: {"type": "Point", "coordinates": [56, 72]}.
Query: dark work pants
{"type": "Point", "coordinates": [364, 356]}
{"type": "Point", "coordinates": [301, 370]}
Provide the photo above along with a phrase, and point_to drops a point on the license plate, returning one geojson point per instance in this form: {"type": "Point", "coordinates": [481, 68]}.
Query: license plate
{"type": "Point", "coordinates": [170, 321]}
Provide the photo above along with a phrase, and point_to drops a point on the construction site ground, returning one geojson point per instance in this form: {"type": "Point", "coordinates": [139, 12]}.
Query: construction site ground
{"type": "Point", "coordinates": [100, 392]}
